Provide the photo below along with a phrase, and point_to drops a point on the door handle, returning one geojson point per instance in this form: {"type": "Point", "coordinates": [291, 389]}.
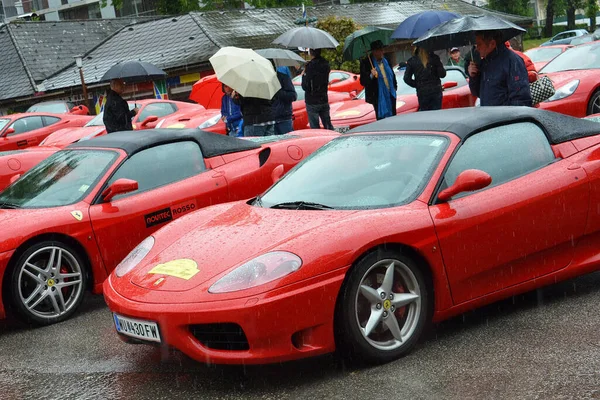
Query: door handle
{"type": "Point", "coordinates": [573, 166]}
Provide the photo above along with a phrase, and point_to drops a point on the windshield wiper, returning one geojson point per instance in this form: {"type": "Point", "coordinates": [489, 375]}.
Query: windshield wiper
{"type": "Point", "coordinates": [302, 205]}
{"type": "Point", "coordinates": [9, 206]}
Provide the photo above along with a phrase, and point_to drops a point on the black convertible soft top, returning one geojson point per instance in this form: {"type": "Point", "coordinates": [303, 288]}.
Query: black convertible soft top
{"type": "Point", "coordinates": [211, 144]}
{"type": "Point", "coordinates": [463, 122]}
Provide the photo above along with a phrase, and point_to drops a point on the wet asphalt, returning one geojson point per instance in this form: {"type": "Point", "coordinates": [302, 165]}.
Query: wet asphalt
{"type": "Point", "coordinates": [541, 345]}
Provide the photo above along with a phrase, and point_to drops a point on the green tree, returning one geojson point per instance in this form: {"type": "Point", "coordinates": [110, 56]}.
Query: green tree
{"type": "Point", "coordinates": [517, 7]}
{"type": "Point", "coordinates": [339, 28]}
{"type": "Point", "coordinates": [571, 7]}
{"type": "Point", "coordinates": [591, 10]}
{"type": "Point", "coordinates": [554, 8]}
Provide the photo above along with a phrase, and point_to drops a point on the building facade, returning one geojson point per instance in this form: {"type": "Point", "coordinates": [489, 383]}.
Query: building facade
{"type": "Point", "coordinates": [60, 10]}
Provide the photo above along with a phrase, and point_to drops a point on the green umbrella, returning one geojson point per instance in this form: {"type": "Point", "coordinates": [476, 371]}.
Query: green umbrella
{"type": "Point", "coordinates": [358, 43]}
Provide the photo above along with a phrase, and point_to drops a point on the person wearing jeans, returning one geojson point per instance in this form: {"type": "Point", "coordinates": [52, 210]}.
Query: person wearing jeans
{"type": "Point", "coordinates": [315, 82]}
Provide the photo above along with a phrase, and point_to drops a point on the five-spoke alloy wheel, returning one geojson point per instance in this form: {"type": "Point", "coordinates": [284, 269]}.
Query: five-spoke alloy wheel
{"type": "Point", "coordinates": [47, 283]}
{"type": "Point", "coordinates": [384, 307]}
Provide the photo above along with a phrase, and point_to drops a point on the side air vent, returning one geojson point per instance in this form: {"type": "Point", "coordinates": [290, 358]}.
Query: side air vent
{"type": "Point", "coordinates": [263, 156]}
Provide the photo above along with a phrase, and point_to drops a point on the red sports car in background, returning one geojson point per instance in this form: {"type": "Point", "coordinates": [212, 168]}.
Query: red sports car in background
{"type": "Point", "coordinates": [576, 78]}
{"type": "Point", "coordinates": [339, 81]}
{"type": "Point", "coordinates": [544, 54]}
{"type": "Point", "coordinates": [15, 163]}
{"type": "Point", "coordinates": [59, 107]}
{"type": "Point", "coordinates": [19, 131]}
{"type": "Point", "coordinates": [67, 222]}
{"type": "Point", "coordinates": [413, 218]}
{"type": "Point", "coordinates": [210, 120]}
{"type": "Point", "coordinates": [350, 114]}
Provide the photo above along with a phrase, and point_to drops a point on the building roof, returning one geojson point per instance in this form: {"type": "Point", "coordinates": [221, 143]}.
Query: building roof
{"type": "Point", "coordinates": [176, 43]}
{"type": "Point", "coordinates": [257, 28]}
{"type": "Point", "coordinates": [14, 81]}
{"type": "Point", "coordinates": [471, 120]}
{"type": "Point", "coordinates": [168, 43]}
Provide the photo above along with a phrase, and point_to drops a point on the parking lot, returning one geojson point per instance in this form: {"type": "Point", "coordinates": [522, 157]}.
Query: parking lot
{"type": "Point", "coordinates": [542, 345]}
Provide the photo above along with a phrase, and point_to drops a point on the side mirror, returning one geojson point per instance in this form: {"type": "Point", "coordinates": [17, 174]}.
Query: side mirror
{"type": "Point", "coordinates": [355, 77]}
{"type": "Point", "coordinates": [7, 132]}
{"type": "Point", "coordinates": [120, 186]}
{"type": "Point", "coordinates": [449, 84]}
{"type": "Point", "coordinates": [467, 181]}
{"type": "Point", "coordinates": [14, 178]}
{"type": "Point", "coordinates": [277, 173]}
{"type": "Point", "coordinates": [148, 120]}
{"type": "Point", "coordinates": [353, 94]}
{"type": "Point", "coordinates": [79, 110]}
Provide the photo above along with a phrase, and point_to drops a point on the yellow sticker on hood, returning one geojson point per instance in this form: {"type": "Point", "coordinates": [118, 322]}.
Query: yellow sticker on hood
{"type": "Point", "coordinates": [176, 126]}
{"type": "Point", "coordinates": [347, 113]}
{"type": "Point", "coordinates": [183, 268]}
{"type": "Point", "coordinates": [78, 215]}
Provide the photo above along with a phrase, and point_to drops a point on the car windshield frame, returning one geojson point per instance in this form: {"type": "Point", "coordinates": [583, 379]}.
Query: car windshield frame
{"type": "Point", "coordinates": [49, 108]}
{"type": "Point", "coordinates": [572, 60]}
{"type": "Point", "coordinates": [110, 161]}
{"type": "Point", "coordinates": [543, 50]}
{"type": "Point", "coordinates": [435, 140]}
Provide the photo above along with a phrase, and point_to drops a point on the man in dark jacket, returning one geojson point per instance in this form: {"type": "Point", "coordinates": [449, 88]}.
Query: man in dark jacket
{"type": "Point", "coordinates": [282, 104]}
{"type": "Point", "coordinates": [117, 116]}
{"type": "Point", "coordinates": [369, 78]}
{"type": "Point", "coordinates": [501, 79]}
{"type": "Point", "coordinates": [315, 82]}
{"type": "Point", "coordinates": [257, 114]}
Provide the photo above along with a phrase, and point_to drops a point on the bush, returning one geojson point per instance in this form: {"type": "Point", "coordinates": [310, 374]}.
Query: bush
{"type": "Point", "coordinates": [339, 28]}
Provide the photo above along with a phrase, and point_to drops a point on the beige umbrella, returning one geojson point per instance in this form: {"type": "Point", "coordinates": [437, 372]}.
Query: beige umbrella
{"type": "Point", "coordinates": [246, 72]}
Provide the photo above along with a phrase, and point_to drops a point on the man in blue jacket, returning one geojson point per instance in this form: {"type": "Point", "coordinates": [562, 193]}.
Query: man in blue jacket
{"type": "Point", "coordinates": [281, 105]}
{"type": "Point", "coordinates": [501, 77]}
{"type": "Point", "coordinates": [230, 113]}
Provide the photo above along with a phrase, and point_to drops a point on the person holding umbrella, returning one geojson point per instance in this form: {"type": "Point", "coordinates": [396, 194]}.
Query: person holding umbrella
{"type": "Point", "coordinates": [231, 115]}
{"type": "Point", "coordinates": [315, 82]}
{"type": "Point", "coordinates": [427, 69]}
{"type": "Point", "coordinates": [501, 79]}
{"type": "Point", "coordinates": [379, 81]}
{"type": "Point", "coordinates": [282, 104]}
{"type": "Point", "coordinates": [117, 116]}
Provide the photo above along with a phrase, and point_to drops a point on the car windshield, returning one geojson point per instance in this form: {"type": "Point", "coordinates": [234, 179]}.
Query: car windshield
{"type": "Point", "coordinates": [98, 119]}
{"type": "Point", "coordinates": [3, 122]}
{"type": "Point", "coordinates": [64, 178]}
{"type": "Point", "coordinates": [299, 92]}
{"type": "Point", "coordinates": [577, 58]}
{"type": "Point", "coordinates": [361, 171]}
{"type": "Point", "coordinates": [403, 88]}
{"type": "Point", "coordinates": [57, 108]}
{"type": "Point", "coordinates": [543, 54]}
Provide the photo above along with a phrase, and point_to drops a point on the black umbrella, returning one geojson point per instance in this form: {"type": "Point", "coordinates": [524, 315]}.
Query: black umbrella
{"type": "Point", "coordinates": [461, 32]}
{"type": "Point", "coordinates": [307, 37]}
{"type": "Point", "coordinates": [134, 71]}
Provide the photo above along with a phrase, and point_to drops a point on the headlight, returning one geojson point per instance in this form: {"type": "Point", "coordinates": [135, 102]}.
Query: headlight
{"type": "Point", "coordinates": [400, 104]}
{"type": "Point", "coordinates": [263, 269]}
{"type": "Point", "coordinates": [134, 258]}
{"type": "Point", "coordinates": [565, 91]}
{"type": "Point", "coordinates": [210, 122]}
{"type": "Point", "coordinates": [90, 136]}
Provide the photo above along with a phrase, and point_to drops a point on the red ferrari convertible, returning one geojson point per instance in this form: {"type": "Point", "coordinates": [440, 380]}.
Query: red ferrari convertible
{"type": "Point", "coordinates": [19, 131]}
{"type": "Point", "coordinates": [68, 221]}
{"type": "Point", "coordinates": [576, 77]}
{"type": "Point", "coordinates": [413, 218]}
{"type": "Point", "coordinates": [15, 163]}
{"type": "Point", "coordinates": [350, 114]}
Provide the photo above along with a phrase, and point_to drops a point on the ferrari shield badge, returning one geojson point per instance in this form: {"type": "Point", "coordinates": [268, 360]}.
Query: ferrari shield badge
{"type": "Point", "coordinates": [182, 268]}
{"type": "Point", "coordinates": [78, 215]}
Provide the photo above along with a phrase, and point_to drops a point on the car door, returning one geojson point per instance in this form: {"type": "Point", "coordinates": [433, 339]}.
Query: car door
{"type": "Point", "coordinates": [456, 96]}
{"type": "Point", "coordinates": [157, 109]}
{"type": "Point", "coordinates": [521, 227]}
{"type": "Point", "coordinates": [172, 181]}
{"type": "Point", "coordinates": [28, 131]}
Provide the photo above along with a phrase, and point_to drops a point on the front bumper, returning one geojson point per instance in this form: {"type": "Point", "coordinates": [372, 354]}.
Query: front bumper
{"type": "Point", "coordinates": [4, 259]}
{"type": "Point", "coordinates": [285, 324]}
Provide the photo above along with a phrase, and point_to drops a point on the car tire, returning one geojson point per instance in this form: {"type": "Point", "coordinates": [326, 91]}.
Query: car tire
{"type": "Point", "coordinates": [594, 104]}
{"type": "Point", "coordinates": [402, 312]}
{"type": "Point", "coordinates": [47, 283]}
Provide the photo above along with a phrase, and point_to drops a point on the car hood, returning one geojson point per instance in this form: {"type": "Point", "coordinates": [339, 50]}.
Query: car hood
{"type": "Point", "coordinates": [561, 78]}
{"type": "Point", "coordinates": [230, 238]}
{"type": "Point", "coordinates": [351, 109]}
{"type": "Point", "coordinates": [66, 136]}
{"type": "Point", "coordinates": [189, 120]}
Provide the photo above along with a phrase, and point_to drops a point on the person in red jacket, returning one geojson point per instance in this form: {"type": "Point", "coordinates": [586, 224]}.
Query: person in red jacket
{"type": "Point", "coordinates": [531, 71]}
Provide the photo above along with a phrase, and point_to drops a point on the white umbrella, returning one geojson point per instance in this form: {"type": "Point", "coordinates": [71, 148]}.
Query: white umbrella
{"type": "Point", "coordinates": [246, 72]}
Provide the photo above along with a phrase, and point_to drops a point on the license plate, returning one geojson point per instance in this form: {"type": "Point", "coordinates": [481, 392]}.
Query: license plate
{"type": "Point", "coordinates": [341, 129]}
{"type": "Point", "coordinates": [145, 330]}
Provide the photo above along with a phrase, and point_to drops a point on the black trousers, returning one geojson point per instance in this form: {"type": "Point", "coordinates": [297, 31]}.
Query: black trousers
{"type": "Point", "coordinates": [376, 107]}
{"type": "Point", "coordinates": [430, 102]}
